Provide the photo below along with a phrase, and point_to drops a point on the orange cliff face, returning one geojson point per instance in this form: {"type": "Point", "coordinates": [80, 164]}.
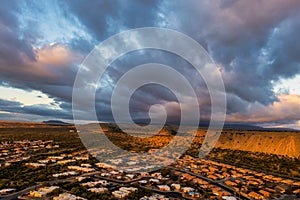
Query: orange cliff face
{"type": "Point", "coordinates": [280, 143]}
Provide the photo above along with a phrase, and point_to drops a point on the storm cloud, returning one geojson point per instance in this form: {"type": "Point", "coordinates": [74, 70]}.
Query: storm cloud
{"type": "Point", "coordinates": [255, 44]}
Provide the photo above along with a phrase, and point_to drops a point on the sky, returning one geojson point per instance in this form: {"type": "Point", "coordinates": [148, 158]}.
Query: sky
{"type": "Point", "coordinates": [255, 43]}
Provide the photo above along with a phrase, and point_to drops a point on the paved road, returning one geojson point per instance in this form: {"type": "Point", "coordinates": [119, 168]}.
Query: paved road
{"type": "Point", "coordinates": [16, 194]}
{"type": "Point", "coordinates": [166, 193]}
{"type": "Point", "coordinates": [124, 182]}
{"type": "Point", "coordinates": [250, 167]}
{"type": "Point", "coordinates": [22, 192]}
{"type": "Point", "coordinates": [225, 187]}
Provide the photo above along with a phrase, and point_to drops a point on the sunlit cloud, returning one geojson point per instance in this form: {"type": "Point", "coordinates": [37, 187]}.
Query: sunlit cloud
{"type": "Point", "coordinates": [255, 44]}
{"type": "Point", "coordinates": [285, 110]}
{"type": "Point", "coordinates": [27, 98]}
{"type": "Point", "coordinates": [289, 85]}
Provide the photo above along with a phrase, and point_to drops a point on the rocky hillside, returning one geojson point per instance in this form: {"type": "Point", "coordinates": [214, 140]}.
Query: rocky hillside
{"type": "Point", "coordinates": [281, 143]}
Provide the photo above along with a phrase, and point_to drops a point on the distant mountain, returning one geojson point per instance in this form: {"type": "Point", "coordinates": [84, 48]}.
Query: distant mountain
{"type": "Point", "coordinates": [204, 124]}
{"type": "Point", "coordinates": [255, 128]}
{"type": "Point", "coordinates": [242, 126]}
{"type": "Point", "coordinates": [56, 123]}
{"type": "Point", "coordinates": [234, 126]}
{"type": "Point", "coordinates": [282, 129]}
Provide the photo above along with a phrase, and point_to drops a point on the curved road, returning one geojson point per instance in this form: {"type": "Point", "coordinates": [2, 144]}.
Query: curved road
{"type": "Point", "coordinates": [22, 192]}
{"type": "Point", "coordinates": [225, 187]}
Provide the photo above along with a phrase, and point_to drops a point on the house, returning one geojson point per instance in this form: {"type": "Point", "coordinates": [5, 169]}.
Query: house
{"type": "Point", "coordinates": [68, 173]}
{"type": "Point", "coordinates": [44, 161]}
{"type": "Point", "coordinates": [228, 198]}
{"type": "Point", "coordinates": [81, 158]}
{"type": "Point", "coordinates": [187, 189]}
{"type": "Point", "coordinates": [176, 186]}
{"type": "Point", "coordinates": [86, 165]}
{"type": "Point", "coordinates": [213, 177]}
{"type": "Point", "coordinates": [200, 181]}
{"type": "Point", "coordinates": [164, 187]}
{"type": "Point", "coordinates": [131, 163]}
{"type": "Point", "coordinates": [114, 172]}
{"type": "Point", "coordinates": [105, 174]}
{"type": "Point", "coordinates": [130, 189]}
{"type": "Point", "coordinates": [144, 174]}
{"type": "Point", "coordinates": [154, 197]}
{"type": "Point", "coordinates": [116, 161]}
{"type": "Point", "coordinates": [297, 191]}
{"type": "Point", "coordinates": [154, 180]}
{"type": "Point", "coordinates": [225, 174]}
{"type": "Point", "coordinates": [130, 176]}
{"type": "Point", "coordinates": [264, 193]}
{"type": "Point", "coordinates": [81, 169]}
{"type": "Point", "coordinates": [280, 189]}
{"type": "Point", "coordinates": [67, 196]}
{"type": "Point", "coordinates": [105, 166]}
{"type": "Point", "coordinates": [296, 184]}
{"type": "Point", "coordinates": [123, 192]}
{"type": "Point", "coordinates": [157, 175]}
{"type": "Point", "coordinates": [255, 195]}
{"type": "Point", "coordinates": [35, 165]}
{"type": "Point", "coordinates": [194, 194]}
{"type": "Point", "coordinates": [230, 183]}
{"type": "Point", "coordinates": [98, 190]}
{"type": "Point", "coordinates": [142, 182]}
{"type": "Point", "coordinates": [93, 184]}
{"type": "Point", "coordinates": [56, 157]}
{"type": "Point", "coordinates": [217, 191]}
{"type": "Point", "coordinates": [119, 194]}
{"type": "Point", "coordinates": [63, 162]}
{"type": "Point", "coordinates": [42, 192]}
{"type": "Point", "coordinates": [80, 178]}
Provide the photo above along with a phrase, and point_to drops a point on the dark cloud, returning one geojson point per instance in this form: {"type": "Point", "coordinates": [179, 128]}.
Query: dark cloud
{"type": "Point", "coordinates": [105, 18]}
{"type": "Point", "coordinates": [236, 33]}
{"type": "Point", "coordinates": [254, 42]}
{"type": "Point", "coordinates": [284, 50]}
{"type": "Point", "coordinates": [144, 97]}
{"type": "Point", "coordinates": [6, 104]}
{"type": "Point", "coordinates": [39, 109]}
{"type": "Point", "coordinates": [12, 46]}
{"type": "Point", "coordinates": [21, 65]}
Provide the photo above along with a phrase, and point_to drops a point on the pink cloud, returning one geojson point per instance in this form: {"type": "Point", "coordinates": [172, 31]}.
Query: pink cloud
{"type": "Point", "coordinates": [56, 55]}
{"type": "Point", "coordinates": [287, 108]}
